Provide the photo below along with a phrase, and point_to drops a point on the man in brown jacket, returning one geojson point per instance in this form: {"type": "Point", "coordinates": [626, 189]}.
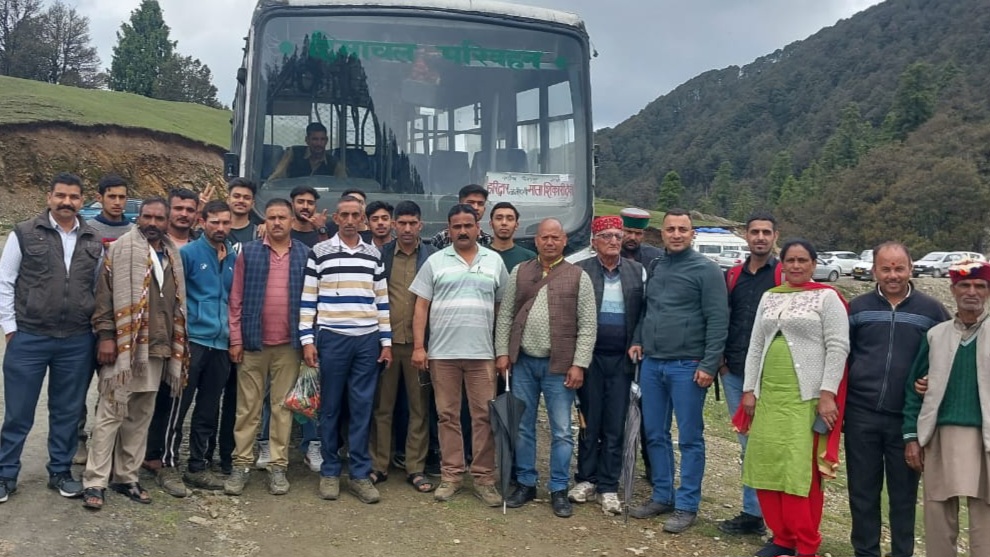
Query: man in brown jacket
{"type": "Point", "coordinates": [140, 323]}
{"type": "Point", "coordinates": [546, 359]}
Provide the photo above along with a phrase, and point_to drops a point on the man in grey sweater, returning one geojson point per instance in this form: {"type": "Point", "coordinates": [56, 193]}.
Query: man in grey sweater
{"type": "Point", "coordinates": [681, 333]}
{"type": "Point", "coordinates": [110, 224]}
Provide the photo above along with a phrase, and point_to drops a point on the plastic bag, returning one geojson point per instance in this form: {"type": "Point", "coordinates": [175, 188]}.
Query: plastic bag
{"type": "Point", "coordinates": [304, 398]}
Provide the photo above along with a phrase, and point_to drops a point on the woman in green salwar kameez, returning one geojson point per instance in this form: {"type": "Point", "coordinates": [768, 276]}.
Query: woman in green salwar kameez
{"type": "Point", "coordinates": [794, 377]}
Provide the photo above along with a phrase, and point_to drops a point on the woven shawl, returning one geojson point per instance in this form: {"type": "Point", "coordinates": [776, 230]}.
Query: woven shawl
{"type": "Point", "coordinates": [129, 268]}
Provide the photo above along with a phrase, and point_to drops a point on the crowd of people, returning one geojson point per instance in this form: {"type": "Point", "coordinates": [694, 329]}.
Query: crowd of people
{"type": "Point", "coordinates": [197, 308]}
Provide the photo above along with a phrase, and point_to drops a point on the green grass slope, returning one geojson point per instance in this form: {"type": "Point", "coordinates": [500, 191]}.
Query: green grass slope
{"type": "Point", "coordinates": [24, 101]}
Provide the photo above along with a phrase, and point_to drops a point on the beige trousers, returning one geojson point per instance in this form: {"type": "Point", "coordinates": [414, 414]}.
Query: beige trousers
{"type": "Point", "coordinates": [417, 438]}
{"type": "Point", "coordinates": [942, 527]}
{"type": "Point", "coordinates": [118, 442]}
{"type": "Point", "coordinates": [279, 365]}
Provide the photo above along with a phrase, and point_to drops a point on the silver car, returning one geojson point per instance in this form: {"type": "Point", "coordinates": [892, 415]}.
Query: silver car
{"type": "Point", "coordinates": [730, 258]}
{"type": "Point", "coordinates": [826, 272]}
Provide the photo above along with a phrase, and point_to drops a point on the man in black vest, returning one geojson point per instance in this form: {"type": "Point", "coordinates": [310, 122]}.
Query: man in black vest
{"type": "Point", "coordinates": [634, 223]}
{"type": "Point", "coordinates": [604, 397]}
{"type": "Point", "coordinates": [264, 316]}
{"type": "Point", "coordinates": [47, 279]}
{"type": "Point", "coordinates": [311, 160]}
{"type": "Point", "coordinates": [546, 359]}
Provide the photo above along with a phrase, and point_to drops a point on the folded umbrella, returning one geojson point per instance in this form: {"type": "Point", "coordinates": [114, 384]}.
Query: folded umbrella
{"type": "Point", "coordinates": [630, 444]}
{"type": "Point", "coordinates": [505, 413]}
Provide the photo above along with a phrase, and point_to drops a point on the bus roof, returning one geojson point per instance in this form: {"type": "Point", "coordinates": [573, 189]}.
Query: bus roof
{"type": "Point", "coordinates": [486, 7]}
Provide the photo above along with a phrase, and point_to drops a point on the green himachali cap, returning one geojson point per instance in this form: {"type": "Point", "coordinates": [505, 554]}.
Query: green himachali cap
{"type": "Point", "coordinates": [633, 217]}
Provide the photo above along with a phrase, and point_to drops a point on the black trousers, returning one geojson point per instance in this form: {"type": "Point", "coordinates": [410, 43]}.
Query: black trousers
{"type": "Point", "coordinates": [208, 372]}
{"type": "Point", "coordinates": [604, 399]}
{"type": "Point", "coordinates": [228, 416]}
{"type": "Point", "coordinates": [874, 450]}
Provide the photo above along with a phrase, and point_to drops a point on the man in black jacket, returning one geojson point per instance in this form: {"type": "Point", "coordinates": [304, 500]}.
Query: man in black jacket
{"type": "Point", "coordinates": [746, 285]}
{"type": "Point", "coordinates": [886, 327]}
{"type": "Point", "coordinates": [604, 396]}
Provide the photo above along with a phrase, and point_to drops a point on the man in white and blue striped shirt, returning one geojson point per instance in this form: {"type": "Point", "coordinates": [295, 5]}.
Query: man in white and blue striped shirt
{"type": "Point", "coordinates": [343, 319]}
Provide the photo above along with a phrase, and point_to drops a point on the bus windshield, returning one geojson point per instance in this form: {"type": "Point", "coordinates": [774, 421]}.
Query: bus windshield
{"type": "Point", "coordinates": [417, 107]}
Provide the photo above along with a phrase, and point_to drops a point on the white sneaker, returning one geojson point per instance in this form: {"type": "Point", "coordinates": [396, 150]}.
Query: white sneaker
{"type": "Point", "coordinates": [610, 504]}
{"type": "Point", "coordinates": [313, 456]}
{"type": "Point", "coordinates": [582, 493]}
{"type": "Point", "coordinates": [264, 456]}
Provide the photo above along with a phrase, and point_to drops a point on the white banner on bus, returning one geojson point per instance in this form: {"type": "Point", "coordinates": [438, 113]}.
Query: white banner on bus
{"type": "Point", "coordinates": [529, 188]}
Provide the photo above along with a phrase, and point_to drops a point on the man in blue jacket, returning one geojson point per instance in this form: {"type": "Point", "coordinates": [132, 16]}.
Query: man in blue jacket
{"type": "Point", "coordinates": [681, 333]}
{"type": "Point", "coordinates": [209, 272]}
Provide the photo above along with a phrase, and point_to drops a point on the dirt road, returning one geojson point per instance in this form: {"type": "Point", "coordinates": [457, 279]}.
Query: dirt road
{"type": "Point", "coordinates": [37, 522]}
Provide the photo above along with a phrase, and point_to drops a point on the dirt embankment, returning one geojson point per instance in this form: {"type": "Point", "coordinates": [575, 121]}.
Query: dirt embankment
{"type": "Point", "coordinates": [152, 162]}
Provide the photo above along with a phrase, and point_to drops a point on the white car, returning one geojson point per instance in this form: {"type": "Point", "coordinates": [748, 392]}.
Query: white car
{"type": "Point", "coordinates": [937, 263]}
{"type": "Point", "coordinates": [846, 260]}
{"type": "Point", "coordinates": [863, 269]}
{"type": "Point", "coordinates": [730, 258]}
{"type": "Point", "coordinates": [826, 272]}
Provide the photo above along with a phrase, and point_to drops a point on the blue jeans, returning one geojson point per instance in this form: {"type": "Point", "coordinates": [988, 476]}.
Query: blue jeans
{"type": "Point", "coordinates": [530, 376]}
{"type": "Point", "coordinates": [669, 391]}
{"type": "Point", "coordinates": [68, 363]}
{"type": "Point", "coordinates": [348, 366]}
{"type": "Point", "coordinates": [733, 385]}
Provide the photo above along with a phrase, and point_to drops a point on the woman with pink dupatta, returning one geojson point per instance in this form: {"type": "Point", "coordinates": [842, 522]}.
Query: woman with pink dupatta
{"type": "Point", "coordinates": [793, 393]}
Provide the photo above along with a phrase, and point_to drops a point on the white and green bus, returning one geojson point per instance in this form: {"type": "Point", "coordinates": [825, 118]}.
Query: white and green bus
{"type": "Point", "coordinates": [420, 98]}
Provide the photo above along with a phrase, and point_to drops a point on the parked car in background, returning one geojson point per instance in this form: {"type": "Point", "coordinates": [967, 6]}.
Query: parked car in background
{"type": "Point", "coordinates": [730, 258]}
{"type": "Point", "coordinates": [92, 209]}
{"type": "Point", "coordinates": [936, 263]}
{"type": "Point", "coordinates": [826, 272]}
{"type": "Point", "coordinates": [844, 259]}
{"type": "Point", "coordinates": [710, 242]}
{"type": "Point", "coordinates": [863, 269]}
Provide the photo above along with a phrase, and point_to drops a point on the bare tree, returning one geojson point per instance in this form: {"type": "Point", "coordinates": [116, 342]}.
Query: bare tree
{"type": "Point", "coordinates": [18, 36]}
{"type": "Point", "coordinates": [70, 58]}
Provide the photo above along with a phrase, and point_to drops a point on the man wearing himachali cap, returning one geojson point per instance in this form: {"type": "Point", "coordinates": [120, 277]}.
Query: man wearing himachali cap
{"type": "Point", "coordinates": [604, 396]}
{"type": "Point", "coordinates": [947, 431]}
{"type": "Point", "coordinates": [634, 223]}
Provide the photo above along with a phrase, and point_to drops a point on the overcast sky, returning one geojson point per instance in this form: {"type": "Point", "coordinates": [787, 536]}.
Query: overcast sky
{"type": "Point", "coordinates": [646, 48]}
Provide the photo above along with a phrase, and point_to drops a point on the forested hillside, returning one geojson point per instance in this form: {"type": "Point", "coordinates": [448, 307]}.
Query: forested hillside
{"type": "Point", "coordinates": [875, 128]}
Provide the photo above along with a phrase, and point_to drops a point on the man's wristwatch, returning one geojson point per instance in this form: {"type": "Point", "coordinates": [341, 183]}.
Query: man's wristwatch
{"type": "Point", "coordinates": [322, 231]}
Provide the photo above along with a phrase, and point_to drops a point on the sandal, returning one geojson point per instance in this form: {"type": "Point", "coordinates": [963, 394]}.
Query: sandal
{"type": "Point", "coordinates": [133, 491]}
{"type": "Point", "coordinates": [93, 498]}
{"type": "Point", "coordinates": [377, 477]}
{"type": "Point", "coordinates": [421, 482]}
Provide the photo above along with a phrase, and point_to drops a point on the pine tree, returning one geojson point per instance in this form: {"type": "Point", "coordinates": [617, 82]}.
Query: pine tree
{"type": "Point", "coordinates": [778, 174]}
{"type": "Point", "coordinates": [143, 48]}
{"type": "Point", "coordinates": [914, 102]}
{"type": "Point", "coordinates": [722, 189]}
{"type": "Point", "coordinates": [671, 191]}
{"type": "Point", "coordinates": [743, 205]}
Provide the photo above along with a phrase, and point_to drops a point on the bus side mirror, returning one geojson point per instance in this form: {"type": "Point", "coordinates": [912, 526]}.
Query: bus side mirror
{"type": "Point", "coordinates": [595, 155]}
{"type": "Point", "coordinates": [231, 165]}
{"type": "Point", "coordinates": [242, 75]}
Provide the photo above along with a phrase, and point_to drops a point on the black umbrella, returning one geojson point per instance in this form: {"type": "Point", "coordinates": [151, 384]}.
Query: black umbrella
{"type": "Point", "coordinates": [630, 444]}
{"type": "Point", "coordinates": [505, 413]}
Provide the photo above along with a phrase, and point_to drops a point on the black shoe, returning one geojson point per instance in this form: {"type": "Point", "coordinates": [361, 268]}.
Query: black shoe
{"type": "Point", "coordinates": [433, 464]}
{"type": "Point", "coordinates": [65, 484]}
{"type": "Point", "coordinates": [651, 509]}
{"type": "Point", "coordinates": [561, 505]}
{"type": "Point", "coordinates": [522, 495]}
{"type": "Point", "coordinates": [773, 550]}
{"type": "Point", "coordinates": [7, 487]}
{"type": "Point", "coordinates": [743, 524]}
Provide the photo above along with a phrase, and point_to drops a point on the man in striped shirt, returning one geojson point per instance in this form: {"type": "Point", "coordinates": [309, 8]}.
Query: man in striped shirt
{"type": "Point", "coordinates": [343, 318]}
